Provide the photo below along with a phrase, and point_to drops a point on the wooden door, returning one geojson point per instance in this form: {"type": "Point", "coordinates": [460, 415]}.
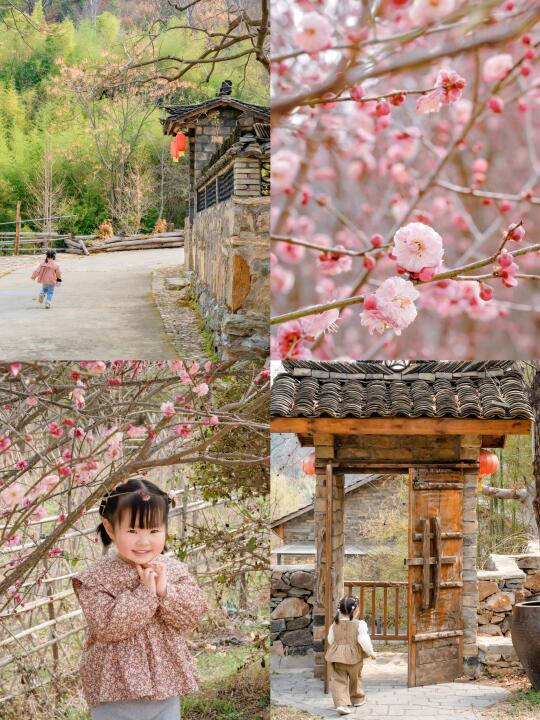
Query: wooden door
{"type": "Point", "coordinates": [435, 590]}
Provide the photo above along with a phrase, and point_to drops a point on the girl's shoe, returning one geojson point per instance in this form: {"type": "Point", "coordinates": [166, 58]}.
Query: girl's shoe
{"type": "Point", "coordinates": [47, 306]}
{"type": "Point", "coordinates": [362, 701]}
{"type": "Point", "coordinates": [343, 710]}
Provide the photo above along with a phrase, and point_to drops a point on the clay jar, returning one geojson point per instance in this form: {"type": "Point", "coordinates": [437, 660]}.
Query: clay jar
{"type": "Point", "coordinates": [526, 637]}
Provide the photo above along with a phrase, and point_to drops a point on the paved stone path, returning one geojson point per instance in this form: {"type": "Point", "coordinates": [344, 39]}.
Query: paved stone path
{"type": "Point", "coordinates": [104, 309]}
{"type": "Point", "coordinates": [385, 683]}
{"type": "Point", "coordinates": [181, 323]}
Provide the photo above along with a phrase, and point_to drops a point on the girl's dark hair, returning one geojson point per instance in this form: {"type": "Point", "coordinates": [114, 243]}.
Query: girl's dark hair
{"type": "Point", "coordinates": [50, 254]}
{"type": "Point", "coordinates": [347, 606]}
{"type": "Point", "coordinates": [147, 503]}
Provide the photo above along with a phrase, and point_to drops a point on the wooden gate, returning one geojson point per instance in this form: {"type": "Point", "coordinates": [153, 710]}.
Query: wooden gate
{"type": "Point", "coordinates": [435, 593]}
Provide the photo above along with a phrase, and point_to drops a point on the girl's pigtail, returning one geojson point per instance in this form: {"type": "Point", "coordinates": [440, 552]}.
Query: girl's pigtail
{"type": "Point", "coordinates": [105, 539]}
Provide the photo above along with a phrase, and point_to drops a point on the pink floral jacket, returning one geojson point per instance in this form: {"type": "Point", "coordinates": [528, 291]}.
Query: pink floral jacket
{"type": "Point", "coordinates": [47, 273]}
{"type": "Point", "coordinates": [135, 648]}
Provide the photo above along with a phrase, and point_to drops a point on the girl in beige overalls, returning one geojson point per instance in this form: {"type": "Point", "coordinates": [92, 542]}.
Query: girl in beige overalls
{"type": "Point", "coordinates": [348, 644]}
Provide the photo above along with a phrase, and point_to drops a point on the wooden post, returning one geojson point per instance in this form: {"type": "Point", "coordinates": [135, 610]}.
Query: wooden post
{"type": "Point", "coordinates": [17, 227]}
{"type": "Point", "coordinates": [329, 590]}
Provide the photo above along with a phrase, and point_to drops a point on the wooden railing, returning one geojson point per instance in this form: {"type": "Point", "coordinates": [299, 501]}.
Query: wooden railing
{"type": "Point", "coordinates": [383, 605]}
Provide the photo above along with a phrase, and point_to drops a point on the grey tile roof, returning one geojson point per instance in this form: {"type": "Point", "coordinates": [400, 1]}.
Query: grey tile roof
{"type": "Point", "coordinates": [187, 113]}
{"type": "Point", "coordinates": [478, 389]}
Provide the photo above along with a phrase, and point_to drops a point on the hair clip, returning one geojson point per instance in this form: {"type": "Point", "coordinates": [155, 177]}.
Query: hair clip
{"type": "Point", "coordinates": [143, 495]}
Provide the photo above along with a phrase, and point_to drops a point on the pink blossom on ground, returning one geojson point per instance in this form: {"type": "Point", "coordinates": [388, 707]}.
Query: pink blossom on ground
{"type": "Point", "coordinates": [167, 408]}
{"type": "Point", "coordinates": [425, 12]}
{"type": "Point", "coordinates": [314, 34]}
{"type": "Point", "coordinates": [418, 246]}
{"type": "Point", "coordinates": [285, 164]}
{"type": "Point", "coordinates": [497, 67]}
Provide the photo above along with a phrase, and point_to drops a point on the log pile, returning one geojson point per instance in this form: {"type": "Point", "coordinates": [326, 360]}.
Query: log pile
{"type": "Point", "coordinates": [86, 244]}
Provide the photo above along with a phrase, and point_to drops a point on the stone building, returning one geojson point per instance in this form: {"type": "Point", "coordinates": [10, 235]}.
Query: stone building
{"type": "Point", "coordinates": [227, 219]}
{"type": "Point", "coordinates": [365, 497]}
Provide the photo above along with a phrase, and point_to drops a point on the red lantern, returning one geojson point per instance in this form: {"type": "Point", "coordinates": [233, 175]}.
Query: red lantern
{"type": "Point", "coordinates": [178, 146]}
{"type": "Point", "coordinates": [489, 463]}
{"type": "Point", "coordinates": [180, 143]}
{"type": "Point", "coordinates": [308, 464]}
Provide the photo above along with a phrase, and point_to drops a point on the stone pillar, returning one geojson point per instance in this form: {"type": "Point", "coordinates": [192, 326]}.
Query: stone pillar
{"type": "Point", "coordinates": [470, 450]}
{"type": "Point", "coordinates": [324, 451]}
{"type": "Point", "coordinates": [247, 176]}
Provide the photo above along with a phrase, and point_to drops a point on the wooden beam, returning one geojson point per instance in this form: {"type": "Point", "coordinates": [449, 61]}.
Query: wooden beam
{"type": "Point", "coordinates": [401, 425]}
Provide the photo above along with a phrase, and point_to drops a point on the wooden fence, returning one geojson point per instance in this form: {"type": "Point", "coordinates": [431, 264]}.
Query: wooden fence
{"type": "Point", "coordinates": [29, 243]}
{"type": "Point", "coordinates": [383, 605]}
{"type": "Point", "coordinates": [42, 638]}
{"type": "Point", "coordinates": [32, 243]}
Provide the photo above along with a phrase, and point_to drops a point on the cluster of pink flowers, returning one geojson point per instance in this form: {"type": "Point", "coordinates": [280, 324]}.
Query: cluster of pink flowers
{"type": "Point", "coordinates": [391, 306]}
{"type": "Point", "coordinates": [506, 269]}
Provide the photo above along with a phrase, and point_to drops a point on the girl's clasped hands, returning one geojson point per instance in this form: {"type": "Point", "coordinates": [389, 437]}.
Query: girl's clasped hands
{"type": "Point", "coordinates": [154, 576]}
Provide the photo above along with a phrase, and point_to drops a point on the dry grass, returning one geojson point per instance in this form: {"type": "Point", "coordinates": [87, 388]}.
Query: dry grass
{"type": "Point", "coordinates": [284, 713]}
{"type": "Point", "coordinates": [523, 704]}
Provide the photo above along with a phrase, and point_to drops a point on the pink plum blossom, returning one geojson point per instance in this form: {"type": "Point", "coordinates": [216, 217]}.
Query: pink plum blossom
{"type": "Point", "coordinates": [14, 369]}
{"type": "Point", "coordinates": [391, 306]}
{"type": "Point", "coordinates": [285, 164]}
{"type": "Point", "coordinates": [314, 325]}
{"type": "Point", "coordinates": [331, 263]}
{"type": "Point", "coordinates": [183, 430]}
{"type": "Point", "coordinates": [425, 12]}
{"type": "Point", "coordinates": [213, 420]}
{"type": "Point", "coordinates": [168, 410]}
{"type": "Point", "coordinates": [12, 495]}
{"type": "Point", "coordinates": [201, 389]}
{"type": "Point", "coordinates": [314, 34]}
{"type": "Point", "coordinates": [5, 443]}
{"type": "Point", "coordinates": [136, 431]}
{"type": "Point", "coordinates": [291, 342]}
{"type": "Point", "coordinates": [497, 67]}
{"type": "Point", "coordinates": [418, 246]}
{"type": "Point", "coordinates": [448, 88]}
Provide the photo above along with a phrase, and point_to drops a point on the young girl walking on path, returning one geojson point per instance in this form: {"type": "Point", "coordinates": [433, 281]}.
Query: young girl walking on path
{"type": "Point", "coordinates": [48, 274]}
{"type": "Point", "coordinates": [348, 644]}
{"type": "Point", "coordinates": [138, 605]}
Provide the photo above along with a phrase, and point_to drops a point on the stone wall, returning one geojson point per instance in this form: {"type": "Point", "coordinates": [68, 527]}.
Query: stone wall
{"type": "Point", "coordinates": [291, 623]}
{"type": "Point", "coordinates": [509, 580]}
{"type": "Point", "coordinates": [229, 273]}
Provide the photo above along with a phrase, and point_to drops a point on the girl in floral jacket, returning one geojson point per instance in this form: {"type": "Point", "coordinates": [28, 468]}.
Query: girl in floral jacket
{"type": "Point", "coordinates": [138, 605]}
